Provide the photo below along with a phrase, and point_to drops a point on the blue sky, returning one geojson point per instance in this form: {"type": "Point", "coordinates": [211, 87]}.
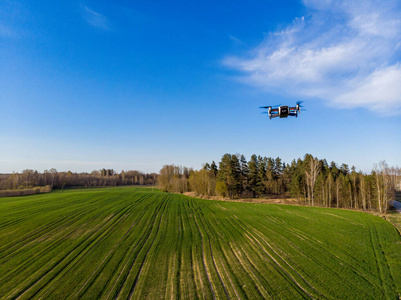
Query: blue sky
{"type": "Point", "coordinates": [86, 85]}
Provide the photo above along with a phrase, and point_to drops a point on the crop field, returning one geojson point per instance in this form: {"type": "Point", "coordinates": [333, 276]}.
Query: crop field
{"type": "Point", "coordinates": [135, 243]}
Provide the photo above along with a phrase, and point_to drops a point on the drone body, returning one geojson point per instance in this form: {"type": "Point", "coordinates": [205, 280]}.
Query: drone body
{"type": "Point", "coordinates": [283, 111]}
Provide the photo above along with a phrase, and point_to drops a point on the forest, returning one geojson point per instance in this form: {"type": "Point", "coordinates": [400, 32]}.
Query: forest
{"type": "Point", "coordinates": [310, 180]}
{"type": "Point", "coordinates": [106, 177]}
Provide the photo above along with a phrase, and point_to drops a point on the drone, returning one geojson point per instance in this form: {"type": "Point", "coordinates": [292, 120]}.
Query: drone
{"type": "Point", "coordinates": [283, 111]}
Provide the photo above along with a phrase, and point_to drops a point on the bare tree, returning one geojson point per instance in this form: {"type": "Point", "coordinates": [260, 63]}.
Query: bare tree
{"type": "Point", "coordinates": [311, 172]}
{"type": "Point", "coordinates": [384, 185]}
{"type": "Point", "coordinates": [362, 182]}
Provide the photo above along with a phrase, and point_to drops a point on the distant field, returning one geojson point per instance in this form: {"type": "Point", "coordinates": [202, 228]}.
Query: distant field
{"type": "Point", "coordinates": [138, 243]}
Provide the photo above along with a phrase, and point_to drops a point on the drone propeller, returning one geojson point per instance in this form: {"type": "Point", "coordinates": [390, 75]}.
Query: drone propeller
{"type": "Point", "coordinates": [270, 106]}
{"type": "Point", "coordinates": [299, 103]}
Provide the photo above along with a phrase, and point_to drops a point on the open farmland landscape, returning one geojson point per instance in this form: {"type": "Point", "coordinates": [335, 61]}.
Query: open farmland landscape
{"type": "Point", "coordinates": [120, 243]}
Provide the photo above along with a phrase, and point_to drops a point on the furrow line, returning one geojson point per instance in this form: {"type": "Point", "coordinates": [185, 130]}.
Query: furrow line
{"type": "Point", "coordinates": [10, 222]}
{"type": "Point", "coordinates": [211, 229]}
{"type": "Point", "coordinates": [288, 275]}
{"type": "Point", "coordinates": [98, 239]}
{"type": "Point", "coordinates": [48, 234]}
{"type": "Point", "coordinates": [143, 239]}
{"type": "Point", "coordinates": [320, 248]}
{"type": "Point", "coordinates": [251, 270]}
{"type": "Point", "coordinates": [383, 282]}
{"type": "Point", "coordinates": [228, 276]}
{"type": "Point", "coordinates": [172, 283]}
{"type": "Point", "coordinates": [189, 227]}
{"type": "Point", "coordinates": [288, 265]}
{"type": "Point", "coordinates": [179, 242]}
{"type": "Point", "coordinates": [100, 265]}
{"type": "Point", "coordinates": [31, 237]}
{"type": "Point", "coordinates": [137, 220]}
{"type": "Point", "coordinates": [167, 201]}
{"type": "Point", "coordinates": [194, 255]}
{"type": "Point", "coordinates": [39, 254]}
{"type": "Point", "coordinates": [98, 236]}
{"type": "Point", "coordinates": [203, 258]}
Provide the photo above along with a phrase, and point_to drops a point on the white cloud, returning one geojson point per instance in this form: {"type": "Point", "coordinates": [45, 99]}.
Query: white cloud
{"type": "Point", "coordinates": [381, 91]}
{"type": "Point", "coordinates": [344, 53]}
{"type": "Point", "coordinates": [96, 19]}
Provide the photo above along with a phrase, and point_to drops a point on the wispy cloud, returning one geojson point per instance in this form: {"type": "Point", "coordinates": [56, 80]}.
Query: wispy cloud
{"type": "Point", "coordinates": [235, 39]}
{"type": "Point", "coordinates": [343, 52]}
{"type": "Point", "coordinates": [95, 18]}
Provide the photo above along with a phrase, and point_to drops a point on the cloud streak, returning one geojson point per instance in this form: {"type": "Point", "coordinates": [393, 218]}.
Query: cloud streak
{"type": "Point", "coordinates": [95, 19]}
{"type": "Point", "coordinates": [342, 52]}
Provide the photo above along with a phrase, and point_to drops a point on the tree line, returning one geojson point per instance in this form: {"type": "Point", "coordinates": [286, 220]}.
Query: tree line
{"type": "Point", "coordinates": [106, 177]}
{"type": "Point", "coordinates": [311, 180]}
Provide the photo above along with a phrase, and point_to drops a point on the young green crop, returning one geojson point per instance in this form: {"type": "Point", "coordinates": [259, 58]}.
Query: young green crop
{"type": "Point", "coordinates": [135, 243]}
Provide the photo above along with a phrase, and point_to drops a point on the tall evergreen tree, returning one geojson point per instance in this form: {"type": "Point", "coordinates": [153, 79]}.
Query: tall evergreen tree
{"type": "Point", "coordinates": [244, 174]}
{"type": "Point", "coordinates": [253, 167]}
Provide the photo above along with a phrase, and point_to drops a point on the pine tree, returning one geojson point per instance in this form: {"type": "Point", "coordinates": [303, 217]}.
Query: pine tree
{"type": "Point", "coordinates": [253, 168]}
{"type": "Point", "coordinates": [244, 174]}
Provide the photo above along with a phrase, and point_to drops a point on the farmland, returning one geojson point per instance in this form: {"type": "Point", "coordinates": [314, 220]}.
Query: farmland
{"type": "Point", "coordinates": [138, 243]}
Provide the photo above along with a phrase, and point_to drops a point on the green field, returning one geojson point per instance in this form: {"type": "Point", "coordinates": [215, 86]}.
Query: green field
{"type": "Point", "coordinates": [137, 243]}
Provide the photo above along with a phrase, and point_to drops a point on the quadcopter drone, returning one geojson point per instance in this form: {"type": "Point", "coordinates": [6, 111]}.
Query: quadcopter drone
{"type": "Point", "coordinates": [283, 111]}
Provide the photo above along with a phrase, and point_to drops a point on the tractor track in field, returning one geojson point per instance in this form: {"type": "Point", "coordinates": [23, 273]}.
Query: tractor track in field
{"type": "Point", "coordinates": [101, 265]}
{"type": "Point", "coordinates": [196, 270]}
{"type": "Point", "coordinates": [318, 246]}
{"type": "Point", "coordinates": [124, 238]}
{"type": "Point", "coordinates": [204, 260]}
{"type": "Point", "coordinates": [42, 228]}
{"type": "Point", "coordinates": [222, 227]}
{"type": "Point", "coordinates": [205, 226]}
{"type": "Point", "coordinates": [171, 283]}
{"type": "Point", "coordinates": [181, 230]}
{"type": "Point", "coordinates": [363, 272]}
{"type": "Point", "coordinates": [287, 275]}
{"type": "Point", "coordinates": [165, 203]}
{"type": "Point", "coordinates": [284, 269]}
{"type": "Point", "coordinates": [99, 236]}
{"type": "Point", "coordinates": [380, 267]}
{"type": "Point", "coordinates": [140, 242]}
{"type": "Point", "coordinates": [29, 238]}
{"type": "Point", "coordinates": [98, 239]}
{"type": "Point", "coordinates": [10, 254]}
{"type": "Point", "coordinates": [216, 268]}
{"type": "Point", "coordinates": [46, 235]}
{"type": "Point", "coordinates": [223, 254]}
{"type": "Point", "coordinates": [137, 220]}
{"type": "Point", "coordinates": [228, 276]}
{"type": "Point", "coordinates": [250, 270]}
{"type": "Point", "coordinates": [249, 266]}
{"type": "Point", "coordinates": [39, 254]}
{"type": "Point", "coordinates": [208, 229]}
{"type": "Point", "coordinates": [9, 223]}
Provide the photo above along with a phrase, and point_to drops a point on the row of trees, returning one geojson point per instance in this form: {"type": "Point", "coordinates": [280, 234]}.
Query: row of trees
{"type": "Point", "coordinates": [105, 177]}
{"type": "Point", "coordinates": [311, 180]}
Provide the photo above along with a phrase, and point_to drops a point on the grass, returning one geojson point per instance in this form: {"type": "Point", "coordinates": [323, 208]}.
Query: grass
{"type": "Point", "coordinates": [135, 243]}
